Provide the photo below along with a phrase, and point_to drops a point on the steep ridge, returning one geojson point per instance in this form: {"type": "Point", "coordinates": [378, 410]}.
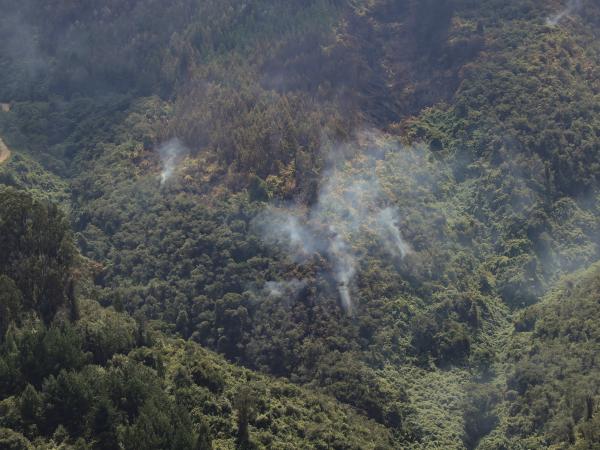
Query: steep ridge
{"type": "Point", "coordinates": [552, 389]}
{"type": "Point", "coordinates": [74, 374]}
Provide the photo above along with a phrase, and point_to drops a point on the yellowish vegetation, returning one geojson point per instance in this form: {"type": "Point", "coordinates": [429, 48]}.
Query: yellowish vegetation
{"type": "Point", "coordinates": [4, 152]}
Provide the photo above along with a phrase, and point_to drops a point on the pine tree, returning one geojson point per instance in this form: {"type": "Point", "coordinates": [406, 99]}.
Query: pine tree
{"type": "Point", "coordinates": [203, 441]}
{"type": "Point", "coordinates": [30, 405]}
{"type": "Point", "coordinates": [245, 412]}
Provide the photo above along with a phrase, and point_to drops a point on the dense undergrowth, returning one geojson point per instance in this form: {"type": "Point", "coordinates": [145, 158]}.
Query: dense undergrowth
{"type": "Point", "coordinates": [475, 123]}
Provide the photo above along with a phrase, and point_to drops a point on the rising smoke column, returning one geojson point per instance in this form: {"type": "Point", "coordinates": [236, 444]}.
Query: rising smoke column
{"type": "Point", "coordinates": [572, 6]}
{"type": "Point", "coordinates": [347, 205]}
{"type": "Point", "coordinates": [389, 233]}
{"type": "Point", "coordinates": [171, 154]}
{"type": "Point", "coordinates": [345, 263]}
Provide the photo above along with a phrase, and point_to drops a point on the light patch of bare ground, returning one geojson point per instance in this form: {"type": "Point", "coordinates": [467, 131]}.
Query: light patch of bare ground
{"type": "Point", "coordinates": [4, 152]}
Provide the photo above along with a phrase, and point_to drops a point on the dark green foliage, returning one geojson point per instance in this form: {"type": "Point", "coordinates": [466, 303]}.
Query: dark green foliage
{"type": "Point", "coordinates": [106, 333]}
{"type": "Point", "coordinates": [497, 206]}
{"type": "Point", "coordinates": [553, 384]}
{"type": "Point", "coordinates": [203, 442]}
{"type": "Point", "coordinates": [104, 421]}
{"type": "Point", "coordinates": [69, 397]}
{"type": "Point", "coordinates": [257, 189]}
{"type": "Point", "coordinates": [11, 440]}
{"type": "Point", "coordinates": [37, 252]}
{"type": "Point", "coordinates": [72, 382]}
{"type": "Point", "coordinates": [432, 22]}
{"type": "Point", "coordinates": [244, 404]}
{"type": "Point", "coordinates": [158, 426]}
{"type": "Point", "coordinates": [30, 405]}
{"type": "Point", "coordinates": [33, 353]}
{"type": "Point", "coordinates": [479, 415]}
{"type": "Point", "coordinates": [11, 300]}
{"type": "Point", "coordinates": [445, 332]}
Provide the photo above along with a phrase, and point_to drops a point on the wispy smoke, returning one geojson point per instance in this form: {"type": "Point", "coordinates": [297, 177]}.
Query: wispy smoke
{"type": "Point", "coordinates": [387, 220]}
{"type": "Point", "coordinates": [283, 225]}
{"type": "Point", "coordinates": [348, 206]}
{"type": "Point", "coordinates": [572, 6]}
{"type": "Point", "coordinates": [19, 44]}
{"type": "Point", "coordinates": [171, 154]}
{"type": "Point", "coordinates": [345, 263]}
{"type": "Point", "coordinates": [288, 289]}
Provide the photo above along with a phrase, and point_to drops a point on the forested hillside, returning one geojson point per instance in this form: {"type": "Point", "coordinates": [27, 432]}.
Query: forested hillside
{"type": "Point", "coordinates": [326, 224]}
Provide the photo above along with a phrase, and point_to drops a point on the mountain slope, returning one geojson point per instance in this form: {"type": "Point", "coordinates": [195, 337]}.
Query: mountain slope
{"type": "Point", "coordinates": [80, 376]}
{"type": "Point", "coordinates": [359, 197]}
{"type": "Point", "coordinates": [550, 398]}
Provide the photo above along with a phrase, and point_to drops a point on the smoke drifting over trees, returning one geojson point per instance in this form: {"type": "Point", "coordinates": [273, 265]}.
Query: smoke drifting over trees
{"type": "Point", "coordinates": [355, 288]}
{"type": "Point", "coordinates": [171, 154]}
{"type": "Point", "coordinates": [572, 7]}
{"type": "Point", "coordinates": [345, 208]}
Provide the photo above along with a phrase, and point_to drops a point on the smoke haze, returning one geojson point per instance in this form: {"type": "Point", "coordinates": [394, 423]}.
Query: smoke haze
{"type": "Point", "coordinates": [171, 154]}
{"type": "Point", "coordinates": [347, 207]}
{"type": "Point", "coordinates": [572, 6]}
{"type": "Point", "coordinates": [289, 289]}
{"type": "Point", "coordinates": [387, 220]}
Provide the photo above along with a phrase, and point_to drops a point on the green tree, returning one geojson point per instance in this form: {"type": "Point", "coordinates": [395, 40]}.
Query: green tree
{"type": "Point", "coordinates": [30, 405]}
{"type": "Point", "coordinates": [37, 251]}
{"type": "Point", "coordinates": [11, 440]}
{"type": "Point", "coordinates": [203, 441]}
{"type": "Point", "coordinates": [11, 301]}
{"type": "Point", "coordinates": [104, 420]}
{"type": "Point", "coordinates": [245, 408]}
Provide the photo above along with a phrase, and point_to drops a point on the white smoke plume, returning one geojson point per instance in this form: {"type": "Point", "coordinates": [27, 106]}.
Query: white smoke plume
{"type": "Point", "coordinates": [387, 221]}
{"type": "Point", "coordinates": [572, 6]}
{"type": "Point", "coordinates": [345, 263]}
{"type": "Point", "coordinates": [283, 226]}
{"type": "Point", "coordinates": [171, 154]}
{"type": "Point", "coordinates": [348, 205]}
{"type": "Point", "coordinates": [289, 289]}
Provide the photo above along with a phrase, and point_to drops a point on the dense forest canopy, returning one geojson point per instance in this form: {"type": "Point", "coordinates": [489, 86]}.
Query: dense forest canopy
{"type": "Point", "coordinates": [320, 224]}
